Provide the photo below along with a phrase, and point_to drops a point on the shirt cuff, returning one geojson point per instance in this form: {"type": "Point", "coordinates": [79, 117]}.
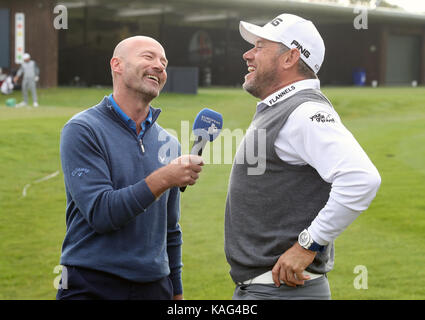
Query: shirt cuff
{"type": "Point", "coordinates": [177, 283]}
{"type": "Point", "coordinates": [143, 194]}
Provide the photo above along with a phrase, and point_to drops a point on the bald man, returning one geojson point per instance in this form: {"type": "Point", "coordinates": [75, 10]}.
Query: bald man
{"type": "Point", "coordinates": [122, 175]}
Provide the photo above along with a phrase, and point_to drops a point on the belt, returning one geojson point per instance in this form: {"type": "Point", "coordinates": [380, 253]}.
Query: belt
{"type": "Point", "coordinates": [267, 278]}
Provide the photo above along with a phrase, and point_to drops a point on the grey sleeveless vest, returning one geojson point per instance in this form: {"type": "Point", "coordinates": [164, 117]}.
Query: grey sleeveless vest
{"type": "Point", "coordinates": [270, 202]}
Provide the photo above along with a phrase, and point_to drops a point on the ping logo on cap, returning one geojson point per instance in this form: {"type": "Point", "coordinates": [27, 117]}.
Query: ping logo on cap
{"type": "Point", "coordinates": [303, 51]}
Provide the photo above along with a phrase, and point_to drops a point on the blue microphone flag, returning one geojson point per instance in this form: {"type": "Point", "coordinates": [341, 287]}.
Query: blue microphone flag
{"type": "Point", "coordinates": [206, 127]}
{"type": "Point", "coordinates": [208, 124]}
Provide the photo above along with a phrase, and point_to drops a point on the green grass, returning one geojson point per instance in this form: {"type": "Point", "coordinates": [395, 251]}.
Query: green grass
{"type": "Point", "coordinates": [388, 239]}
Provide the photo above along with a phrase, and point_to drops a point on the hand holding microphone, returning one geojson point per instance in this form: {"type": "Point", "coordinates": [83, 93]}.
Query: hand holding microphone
{"type": "Point", "coordinates": [185, 170]}
{"type": "Point", "coordinates": [180, 172]}
{"type": "Point", "coordinates": [206, 127]}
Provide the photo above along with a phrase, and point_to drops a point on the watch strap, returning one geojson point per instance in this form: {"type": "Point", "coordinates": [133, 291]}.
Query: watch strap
{"type": "Point", "coordinates": [316, 247]}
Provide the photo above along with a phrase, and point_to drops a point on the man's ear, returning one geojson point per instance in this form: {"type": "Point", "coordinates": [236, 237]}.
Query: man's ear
{"type": "Point", "coordinates": [116, 65]}
{"type": "Point", "coordinates": [290, 59]}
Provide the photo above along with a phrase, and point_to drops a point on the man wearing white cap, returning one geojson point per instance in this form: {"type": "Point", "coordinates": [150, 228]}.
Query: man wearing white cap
{"type": "Point", "coordinates": [30, 73]}
{"type": "Point", "coordinates": [281, 221]}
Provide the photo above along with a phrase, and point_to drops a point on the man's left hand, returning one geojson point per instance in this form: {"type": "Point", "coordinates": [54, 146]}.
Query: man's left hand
{"type": "Point", "coordinates": [291, 264]}
{"type": "Point", "coordinates": [178, 297]}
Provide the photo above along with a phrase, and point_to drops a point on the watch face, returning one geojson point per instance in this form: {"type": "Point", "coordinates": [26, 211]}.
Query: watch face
{"type": "Point", "coordinates": [304, 238]}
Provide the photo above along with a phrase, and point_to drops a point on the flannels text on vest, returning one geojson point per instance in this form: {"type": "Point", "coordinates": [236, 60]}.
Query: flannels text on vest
{"type": "Point", "coordinates": [281, 94]}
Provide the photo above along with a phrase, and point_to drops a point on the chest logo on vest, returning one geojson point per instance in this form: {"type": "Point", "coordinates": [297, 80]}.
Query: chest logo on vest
{"type": "Point", "coordinates": [323, 117]}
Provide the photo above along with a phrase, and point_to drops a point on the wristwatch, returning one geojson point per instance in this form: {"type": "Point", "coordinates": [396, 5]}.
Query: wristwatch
{"type": "Point", "coordinates": [306, 241]}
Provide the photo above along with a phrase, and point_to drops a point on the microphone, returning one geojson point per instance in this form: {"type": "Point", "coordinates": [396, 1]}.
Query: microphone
{"type": "Point", "coordinates": [206, 127]}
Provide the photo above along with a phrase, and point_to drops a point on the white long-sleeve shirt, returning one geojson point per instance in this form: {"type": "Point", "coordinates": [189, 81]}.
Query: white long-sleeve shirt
{"type": "Point", "coordinates": [29, 70]}
{"type": "Point", "coordinates": [315, 135]}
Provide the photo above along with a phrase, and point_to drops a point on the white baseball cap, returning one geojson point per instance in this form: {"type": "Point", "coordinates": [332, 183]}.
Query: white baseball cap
{"type": "Point", "coordinates": [293, 32]}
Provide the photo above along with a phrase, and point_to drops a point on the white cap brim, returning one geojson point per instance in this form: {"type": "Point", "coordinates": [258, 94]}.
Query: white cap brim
{"type": "Point", "coordinates": [250, 32]}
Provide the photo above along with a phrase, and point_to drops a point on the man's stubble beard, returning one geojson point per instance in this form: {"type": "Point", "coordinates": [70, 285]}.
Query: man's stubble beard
{"type": "Point", "coordinates": [145, 93]}
{"type": "Point", "coordinates": [260, 83]}
{"type": "Point", "coordinates": [251, 88]}
{"type": "Point", "coordinates": [134, 82]}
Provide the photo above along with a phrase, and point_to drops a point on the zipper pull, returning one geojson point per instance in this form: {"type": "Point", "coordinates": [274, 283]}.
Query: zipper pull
{"type": "Point", "coordinates": [141, 145]}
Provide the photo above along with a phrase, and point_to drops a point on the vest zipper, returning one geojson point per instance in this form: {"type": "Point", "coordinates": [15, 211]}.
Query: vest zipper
{"type": "Point", "coordinates": [141, 145]}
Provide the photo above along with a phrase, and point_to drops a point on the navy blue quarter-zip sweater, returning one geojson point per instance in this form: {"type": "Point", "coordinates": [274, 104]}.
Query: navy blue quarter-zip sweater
{"type": "Point", "coordinates": [113, 222]}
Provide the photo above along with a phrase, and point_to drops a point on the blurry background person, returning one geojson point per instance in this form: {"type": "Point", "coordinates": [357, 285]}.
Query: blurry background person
{"type": "Point", "coordinates": [2, 76]}
{"type": "Point", "coordinates": [30, 72]}
{"type": "Point", "coordinates": [6, 83]}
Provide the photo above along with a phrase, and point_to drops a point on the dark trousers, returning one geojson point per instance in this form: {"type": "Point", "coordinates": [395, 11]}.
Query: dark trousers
{"type": "Point", "coordinates": [88, 284]}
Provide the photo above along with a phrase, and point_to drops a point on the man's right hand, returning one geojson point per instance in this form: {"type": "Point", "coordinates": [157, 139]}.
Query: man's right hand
{"type": "Point", "coordinates": [185, 170]}
{"type": "Point", "coordinates": [180, 172]}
